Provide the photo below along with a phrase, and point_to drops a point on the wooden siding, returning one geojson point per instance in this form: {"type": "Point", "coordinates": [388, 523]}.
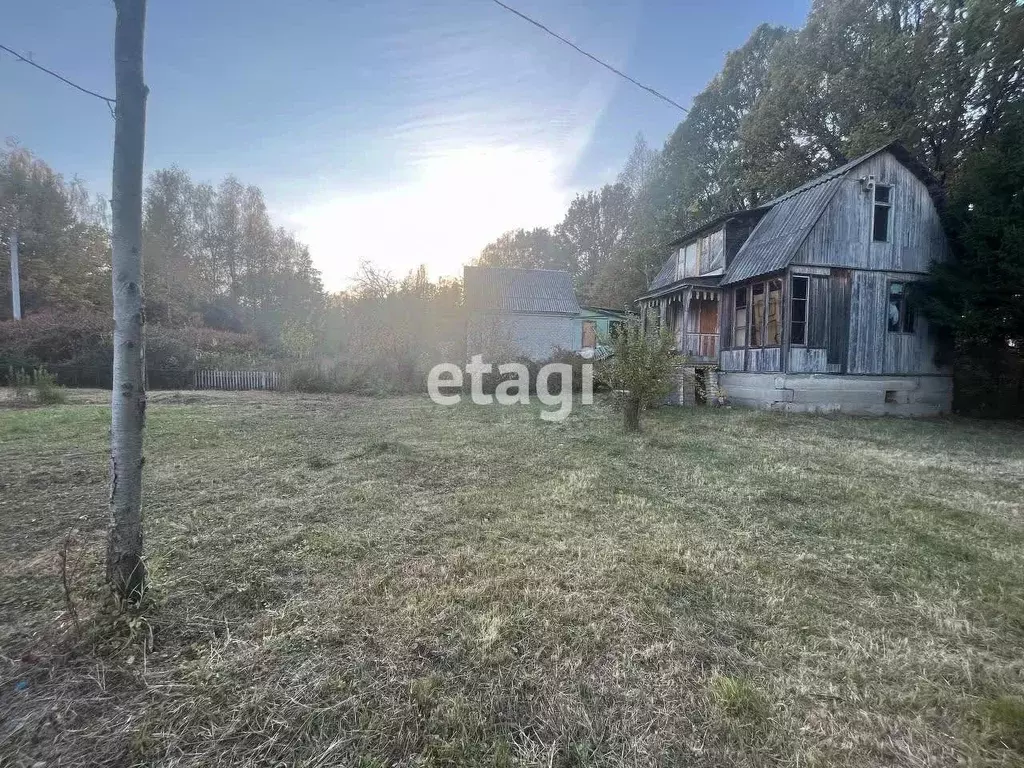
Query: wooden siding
{"type": "Point", "coordinates": [872, 348]}
{"type": "Point", "coordinates": [727, 299]}
{"type": "Point", "coordinates": [839, 317]}
{"type": "Point", "coordinates": [817, 311]}
{"type": "Point", "coordinates": [842, 236]}
{"type": "Point", "coordinates": [732, 359]}
{"type": "Point", "coordinates": [764, 360]}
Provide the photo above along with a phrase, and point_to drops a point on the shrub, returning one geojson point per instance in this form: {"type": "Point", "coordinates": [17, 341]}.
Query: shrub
{"type": "Point", "coordinates": [39, 386]}
{"type": "Point", "coordinates": [47, 391]}
{"type": "Point", "coordinates": [641, 368]}
{"type": "Point", "coordinates": [20, 384]}
{"type": "Point", "coordinates": [310, 379]}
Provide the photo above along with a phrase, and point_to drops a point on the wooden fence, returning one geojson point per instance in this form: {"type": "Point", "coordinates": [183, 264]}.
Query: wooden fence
{"type": "Point", "coordinates": [237, 380]}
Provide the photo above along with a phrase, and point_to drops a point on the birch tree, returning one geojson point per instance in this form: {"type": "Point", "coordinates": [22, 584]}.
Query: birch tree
{"type": "Point", "coordinates": [126, 571]}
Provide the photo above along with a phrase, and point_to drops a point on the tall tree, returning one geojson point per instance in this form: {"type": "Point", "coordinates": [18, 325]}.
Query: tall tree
{"type": "Point", "coordinates": [126, 571]}
{"type": "Point", "coordinates": [703, 173]}
{"type": "Point", "coordinates": [64, 245]}
{"type": "Point", "coordinates": [592, 232]}
{"type": "Point", "coordinates": [640, 253]}
{"type": "Point", "coordinates": [533, 249]}
{"type": "Point", "coordinates": [936, 74]}
{"type": "Point", "coordinates": [976, 299]}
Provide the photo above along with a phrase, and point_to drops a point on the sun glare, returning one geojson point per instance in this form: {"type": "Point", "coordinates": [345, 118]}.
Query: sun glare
{"type": "Point", "coordinates": [458, 201]}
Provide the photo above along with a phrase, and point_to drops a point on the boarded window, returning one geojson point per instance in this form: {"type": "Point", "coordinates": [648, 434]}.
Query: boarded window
{"type": "Point", "coordinates": [900, 313]}
{"type": "Point", "coordinates": [757, 307]}
{"type": "Point", "coordinates": [589, 334]}
{"type": "Point", "coordinates": [773, 322]}
{"type": "Point", "coordinates": [716, 251]}
{"type": "Point", "coordinates": [883, 214]}
{"type": "Point", "coordinates": [690, 260]}
{"type": "Point", "coordinates": [740, 324]}
{"type": "Point", "coordinates": [798, 311]}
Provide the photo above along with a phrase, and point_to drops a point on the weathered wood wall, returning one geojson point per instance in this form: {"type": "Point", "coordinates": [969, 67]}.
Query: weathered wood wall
{"type": "Point", "coordinates": [842, 236]}
{"type": "Point", "coordinates": [872, 348]}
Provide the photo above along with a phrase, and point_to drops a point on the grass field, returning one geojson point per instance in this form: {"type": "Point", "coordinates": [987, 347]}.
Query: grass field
{"type": "Point", "coordinates": [345, 581]}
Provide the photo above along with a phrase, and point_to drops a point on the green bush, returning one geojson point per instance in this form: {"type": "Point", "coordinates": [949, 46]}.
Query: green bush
{"type": "Point", "coordinates": [310, 379]}
{"type": "Point", "coordinates": [20, 384]}
{"type": "Point", "coordinates": [640, 368]}
{"type": "Point", "coordinates": [47, 391]}
{"type": "Point", "coordinates": [39, 386]}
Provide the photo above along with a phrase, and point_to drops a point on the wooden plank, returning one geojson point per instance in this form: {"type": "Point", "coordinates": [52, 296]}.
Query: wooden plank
{"type": "Point", "coordinates": [839, 313]}
{"type": "Point", "coordinates": [817, 311]}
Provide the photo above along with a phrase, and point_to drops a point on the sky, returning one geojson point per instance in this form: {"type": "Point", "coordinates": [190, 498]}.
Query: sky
{"type": "Point", "coordinates": [399, 132]}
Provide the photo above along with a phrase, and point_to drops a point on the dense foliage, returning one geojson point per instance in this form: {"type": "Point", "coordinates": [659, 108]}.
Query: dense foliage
{"type": "Point", "coordinates": [976, 300]}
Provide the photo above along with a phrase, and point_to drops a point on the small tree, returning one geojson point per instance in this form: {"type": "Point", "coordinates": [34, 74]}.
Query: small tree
{"type": "Point", "coordinates": [640, 369]}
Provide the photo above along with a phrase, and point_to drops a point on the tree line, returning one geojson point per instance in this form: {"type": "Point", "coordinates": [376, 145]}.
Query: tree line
{"type": "Point", "coordinates": [212, 256]}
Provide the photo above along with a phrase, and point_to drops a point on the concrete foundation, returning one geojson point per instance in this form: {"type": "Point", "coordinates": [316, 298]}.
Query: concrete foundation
{"type": "Point", "coordinates": [825, 393]}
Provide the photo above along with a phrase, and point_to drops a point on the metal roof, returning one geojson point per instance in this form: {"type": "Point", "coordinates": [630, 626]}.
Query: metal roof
{"type": "Point", "coordinates": [530, 291]}
{"type": "Point", "coordinates": [702, 281]}
{"type": "Point", "coordinates": [787, 223]}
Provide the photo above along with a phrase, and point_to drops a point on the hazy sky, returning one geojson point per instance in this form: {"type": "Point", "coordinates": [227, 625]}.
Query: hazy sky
{"type": "Point", "coordinates": [397, 131]}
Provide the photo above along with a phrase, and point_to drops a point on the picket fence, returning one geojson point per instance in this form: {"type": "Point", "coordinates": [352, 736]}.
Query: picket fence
{"type": "Point", "coordinates": [208, 379]}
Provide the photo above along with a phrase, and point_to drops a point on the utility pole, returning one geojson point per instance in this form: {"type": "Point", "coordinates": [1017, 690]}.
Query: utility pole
{"type": "Point", "coordinates": [15, 277]}
{"type": "Point", "coordinates": [126, 571]}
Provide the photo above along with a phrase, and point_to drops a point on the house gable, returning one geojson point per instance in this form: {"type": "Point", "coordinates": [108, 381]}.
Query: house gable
{"type": "Point", "coordinates": [828, 221]}
{"type": "Point", "coordinates": [842, 236]}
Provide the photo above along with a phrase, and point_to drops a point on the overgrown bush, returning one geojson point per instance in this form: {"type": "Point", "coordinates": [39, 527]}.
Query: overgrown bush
{"type": "Point", "coordinates": [640, 369]}
{"type": "Point", "coordinates": [77, 347]}
{"type": "Point", "coordinates": [47, 391]}
{"type": "Point", "coordinates": [20, 383]}
{"type": "Point", "coordinates": [378, 376]}
{"type": "Point", "coordinates": [38, 386]}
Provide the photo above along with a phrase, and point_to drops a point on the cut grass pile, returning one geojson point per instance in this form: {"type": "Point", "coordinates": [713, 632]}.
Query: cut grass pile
{"type": "Point", "coordinates": [376, 582]}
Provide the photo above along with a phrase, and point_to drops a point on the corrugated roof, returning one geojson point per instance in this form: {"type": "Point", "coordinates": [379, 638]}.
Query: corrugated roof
{"type": "Point", "coordinates": [787, 223]}
{"type": "Point", "coordinates": [702, 281]}
{"type": "Point", "coordinates": [534, 291]}
{"type": "Point", "coordinates": [667, 275]}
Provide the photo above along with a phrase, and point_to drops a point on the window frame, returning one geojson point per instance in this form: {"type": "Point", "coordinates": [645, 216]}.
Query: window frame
{"type": "Point", "coordinates": [806, 301]}
{"type": "Point", "coordinates": [779, 309]}
{"type": "Point", "coordinates": [888, 206]}
{"type": "Point", "coordinates": [907, 323]}
{"type": "Point", "coordinates": [737, 327]}
{"type": "Point", "coordinates": [763, 294]}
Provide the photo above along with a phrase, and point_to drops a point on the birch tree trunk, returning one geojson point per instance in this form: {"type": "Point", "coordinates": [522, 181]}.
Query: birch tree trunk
{"type": "Point", "coordinates": [126, 571]}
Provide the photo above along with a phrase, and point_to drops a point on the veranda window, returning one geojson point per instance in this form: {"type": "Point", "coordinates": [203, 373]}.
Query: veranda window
{"type": "Point", "coordinates": [798, 311]}
{"type": "Point", "coordinates": [740, 325]}
{"type": "Point", "coordinates": [757, 307]}
{"type": "Point", "coordinates": [773, 322]}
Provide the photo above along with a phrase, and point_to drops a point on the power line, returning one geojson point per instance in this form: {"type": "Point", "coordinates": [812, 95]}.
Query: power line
{"type": "Point", "coordinates": [590, 56]}
{"type": "Point", "coordinates": [111, 103]}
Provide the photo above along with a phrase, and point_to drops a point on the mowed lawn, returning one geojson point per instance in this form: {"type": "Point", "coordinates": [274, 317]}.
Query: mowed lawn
{"type": "Point", "coordinates": [341, 581]}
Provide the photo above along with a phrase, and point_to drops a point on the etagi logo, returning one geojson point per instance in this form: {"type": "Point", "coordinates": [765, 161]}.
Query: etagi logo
{"type": "Point", "coordinates": [515, 388]}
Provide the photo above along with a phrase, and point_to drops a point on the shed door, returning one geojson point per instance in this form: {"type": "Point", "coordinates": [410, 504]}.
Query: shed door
{"type": "Point", "coordinates": [589, 333]}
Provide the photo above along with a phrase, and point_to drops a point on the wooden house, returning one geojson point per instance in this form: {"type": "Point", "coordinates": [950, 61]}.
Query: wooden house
{"type": "Point", "coordinates": [806, 302]}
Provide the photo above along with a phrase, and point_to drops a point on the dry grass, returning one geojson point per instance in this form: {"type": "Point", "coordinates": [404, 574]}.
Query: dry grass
{"type": "Point", "coordinates": [345, 581]}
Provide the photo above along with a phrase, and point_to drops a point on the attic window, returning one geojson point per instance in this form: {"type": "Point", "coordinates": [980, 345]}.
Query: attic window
{"type": "Point", "coordinates": [883, 214]}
